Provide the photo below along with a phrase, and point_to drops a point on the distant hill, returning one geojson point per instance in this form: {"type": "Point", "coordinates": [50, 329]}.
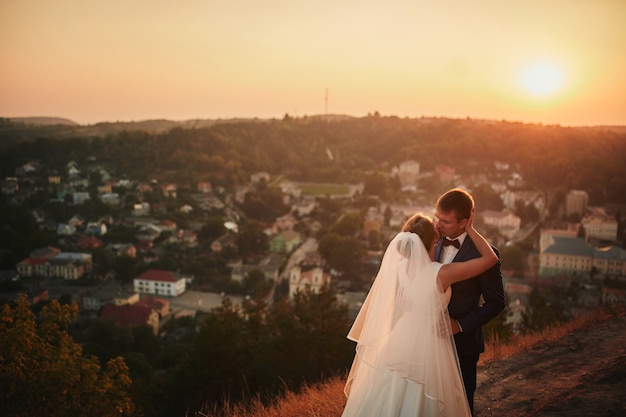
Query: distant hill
{"type": "Point", "coordinates": [43, 121]}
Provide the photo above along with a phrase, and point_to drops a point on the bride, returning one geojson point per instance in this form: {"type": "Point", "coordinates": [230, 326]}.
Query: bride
{"type": "Point", "coordinates": [406, 362]}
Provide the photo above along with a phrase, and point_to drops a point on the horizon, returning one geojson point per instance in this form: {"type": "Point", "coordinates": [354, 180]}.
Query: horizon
{"type": "Point", "coordinates": [555, 63]}
{"type": "Point", "coordinates": [162, 119]}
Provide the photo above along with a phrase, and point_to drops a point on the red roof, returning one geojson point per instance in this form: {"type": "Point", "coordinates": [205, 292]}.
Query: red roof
{"type": "Point", "coordinates": [129, 314]}
{"type": "Point", "coordinates": [157, 275]}
{"type": "Point", "coordinates": [152, 302]}
{"type": "Point", "coordinates": [36, 261]}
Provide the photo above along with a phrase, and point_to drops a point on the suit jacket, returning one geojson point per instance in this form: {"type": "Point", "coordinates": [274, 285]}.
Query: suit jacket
{"type": "Point", "coordinates": [465, 304]}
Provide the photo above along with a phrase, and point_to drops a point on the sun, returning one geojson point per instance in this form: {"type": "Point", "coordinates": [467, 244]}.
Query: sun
{"type": "Point", "coordinates": [541, 78]}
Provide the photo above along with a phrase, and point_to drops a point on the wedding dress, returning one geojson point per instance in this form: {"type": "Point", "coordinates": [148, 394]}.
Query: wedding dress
{"type": "Point", "coordinates": [406, 362]}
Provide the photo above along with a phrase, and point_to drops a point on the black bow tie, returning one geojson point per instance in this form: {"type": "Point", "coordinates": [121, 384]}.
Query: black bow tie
{"type": "Point", "coordinates": [448, 242]}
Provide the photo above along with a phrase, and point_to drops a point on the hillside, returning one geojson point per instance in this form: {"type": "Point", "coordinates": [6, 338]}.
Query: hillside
{"type": "Point", "coordinates": [575, 370]}
{"type": "Point", "coordinates": [582, 374]}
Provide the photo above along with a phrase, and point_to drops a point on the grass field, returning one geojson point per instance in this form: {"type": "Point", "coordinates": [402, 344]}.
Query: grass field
{"type": "Point", "coordinates": [324, 189]}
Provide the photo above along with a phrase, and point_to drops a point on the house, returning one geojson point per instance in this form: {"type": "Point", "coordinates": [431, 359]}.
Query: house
{"type": "Point", "coordinates": [286, 241]}
{"type": "Point", "coordinates": [32, 267]}
{"type": "Point", "coordinates": [141, 209]}
{"type": "Point", "coordinates": [66, 229]}
{"type": "Point", "coordinates": [445, 173]}
{"type": "Point", "coordinates": [123, 249]}
{"type": "Point", "coordinates": [88, 242]}
{"type": "Point", "coordinates": [613, 296]}
{"type": "Point", "coordinates": [76, 220]}
{"type": "Point", "coordinates": [160, 282]}
{"type": "Point", "coordinates": [110, 199]}
{"type": "Point", "coordinates": [109, 292]}
{"type": "Point", "coordinates": [305, 206]}
{"type": "Point", "coordinates": [160, 305]}
{"type": "Point", "coordinates": [507, 223]}
{"type": "Point", "coordinates": [169, 190]}
{"type": "Point", "coordinates": [80, 197]}
{"type": "Point", "coordinates": [69, 265]}
{"type": "Point", "coordinates": [600, 226]}
{"type": "Point", "coordinates": [314, 279]}
{"type": "Point", "coordinates": [131, 315]}
{"type": "Point", "coordinates": [188, 237]}
{"type": "Point", "coordinates": [408, 173]}
{"type": "Point", "coordinates": [224, 241]}
{"type": "Point", "coordinates": [96, 228]}
{"type": "Point", "coordinates": [166, 225]}
{"type": "Point", "coordinates": [260, 176]}
{"type": "Point", "coordinates": [204, 187]}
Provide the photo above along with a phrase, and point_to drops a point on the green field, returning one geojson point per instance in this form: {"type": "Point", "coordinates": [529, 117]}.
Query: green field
{"type": "Point", "coordinates": [324, 189]}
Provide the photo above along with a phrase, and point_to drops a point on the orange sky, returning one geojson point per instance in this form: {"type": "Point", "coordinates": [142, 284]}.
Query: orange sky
{"type": "Point", "coordinates": [123, 60]}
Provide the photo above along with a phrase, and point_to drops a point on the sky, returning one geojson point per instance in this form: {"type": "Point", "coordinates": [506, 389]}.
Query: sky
{"type": "Point", "coordinates": [533, 61]}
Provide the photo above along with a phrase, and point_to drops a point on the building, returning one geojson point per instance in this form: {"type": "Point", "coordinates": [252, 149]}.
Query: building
{"type": "Point", "coordinates": [131, 315]}
{"type": "Point", "coordinates": [507, 223]}
{"type": "Point", "coordinates": [576, 203]}
{"type": "Point", "coordinates": [107, 293]}
{"type": "Point", "coordinates": [566, 255]}
{"type": "Point", "coordinates": [160, 305]}
{"type": "Point", "coordinates": [610, 260]}
{"type": "Point", "coordinates": [160, 282]}
{"type": "Point", "coordinates": [314, 279]}
{"type": "Point", "coordinates": [408, 173]}
{"type": "Point", "coordinates": [600, 226]}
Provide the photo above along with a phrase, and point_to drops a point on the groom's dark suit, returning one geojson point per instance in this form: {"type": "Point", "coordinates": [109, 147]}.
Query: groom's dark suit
{"type": "Point", "coordinates": [465, 307]}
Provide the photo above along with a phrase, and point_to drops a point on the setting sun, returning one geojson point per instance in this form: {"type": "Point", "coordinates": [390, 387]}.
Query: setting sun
{"type": "Point", "coordinates": [541, 79]}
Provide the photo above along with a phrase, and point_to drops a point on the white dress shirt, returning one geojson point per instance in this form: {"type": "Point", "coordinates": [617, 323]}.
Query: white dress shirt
{"type": "Point", "coordinates": [449, 252]}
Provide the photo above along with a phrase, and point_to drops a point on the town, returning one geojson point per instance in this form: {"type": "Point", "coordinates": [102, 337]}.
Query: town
{"type": "Point", "coordinates": [154, 252]}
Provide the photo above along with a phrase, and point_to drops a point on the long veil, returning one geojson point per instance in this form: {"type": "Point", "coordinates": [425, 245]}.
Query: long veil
{"type": "Point", "coordinates": [403, 328]}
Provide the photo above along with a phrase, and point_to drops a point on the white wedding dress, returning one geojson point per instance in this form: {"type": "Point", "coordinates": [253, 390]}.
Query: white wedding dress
{"type": "Point", "coordinates": [406, 362]}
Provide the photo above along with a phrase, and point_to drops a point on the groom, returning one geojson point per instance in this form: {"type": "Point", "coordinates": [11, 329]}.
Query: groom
{"type": "Point", "coordinates": [468, 315]}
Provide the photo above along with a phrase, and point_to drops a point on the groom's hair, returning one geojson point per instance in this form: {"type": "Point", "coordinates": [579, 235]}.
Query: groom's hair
{"type": "Point", "coordinates": [457, 200]}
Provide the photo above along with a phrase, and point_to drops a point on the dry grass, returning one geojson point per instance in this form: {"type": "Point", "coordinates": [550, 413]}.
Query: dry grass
{"type": "Point", "coordinates": [319, 400]}
{"type": "Point", "coordinates": [496, 350]}
{"type": "Point", "coordinates": [327, 399]}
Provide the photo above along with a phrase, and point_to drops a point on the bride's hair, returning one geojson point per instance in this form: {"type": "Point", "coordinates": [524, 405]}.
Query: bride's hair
{"type": "Point", "coordinates": [422, 226]}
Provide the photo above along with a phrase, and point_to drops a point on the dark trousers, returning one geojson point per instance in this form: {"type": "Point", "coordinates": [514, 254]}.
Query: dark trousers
{"type": "Point", "coordinates": [468, 371]}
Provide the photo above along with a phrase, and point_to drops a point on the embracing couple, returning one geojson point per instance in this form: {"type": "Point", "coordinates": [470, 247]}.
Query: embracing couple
{"type": "Point", "coordinates": [419, 331]}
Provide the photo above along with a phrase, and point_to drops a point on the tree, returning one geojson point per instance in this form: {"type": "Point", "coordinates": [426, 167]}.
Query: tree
{"type": "Point", "coordinates": [343, 254]}
{"type": "Point", "coordinates": [43, 372]}
{"type": "Point", "coordinates": [252, 240]}
{"type": "Point", "coordinates": [512, 258]}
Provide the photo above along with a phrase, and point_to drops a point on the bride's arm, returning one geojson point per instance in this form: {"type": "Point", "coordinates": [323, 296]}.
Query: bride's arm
{"type": "Point", "coordinates": [460, 271]}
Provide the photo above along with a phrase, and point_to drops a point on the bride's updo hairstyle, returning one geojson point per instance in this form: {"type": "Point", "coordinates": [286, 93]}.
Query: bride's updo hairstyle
{"type": "Point", "coordinates": [422, 226]}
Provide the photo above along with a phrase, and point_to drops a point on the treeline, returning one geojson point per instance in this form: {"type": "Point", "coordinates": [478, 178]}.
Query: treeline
{"type": "Point", "coordinates": [548, 157]}
{"type": "Point", "coordinates": [50, 362]}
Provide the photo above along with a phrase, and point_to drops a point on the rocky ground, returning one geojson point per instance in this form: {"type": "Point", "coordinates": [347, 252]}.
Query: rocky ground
{"type": "Point", "coordinates": [582, 374]}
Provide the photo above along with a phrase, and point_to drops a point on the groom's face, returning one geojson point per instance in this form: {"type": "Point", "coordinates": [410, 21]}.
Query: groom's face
{"type": "Point", "coordinates": [448, 225]}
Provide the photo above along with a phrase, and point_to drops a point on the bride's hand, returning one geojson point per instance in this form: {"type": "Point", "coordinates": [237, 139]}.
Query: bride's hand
{"type": "Point", "coordinates": [470, 222]}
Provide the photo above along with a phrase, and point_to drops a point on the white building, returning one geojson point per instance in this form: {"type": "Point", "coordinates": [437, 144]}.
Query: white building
{"type": "Point", "coordinates": [160, 282]}
{"type": "Point", "coordinates": [506, 222]}
{"type": "Point", "coordinates": [599, 226]}
{"type": "Point", "coordinates": [565, 255]}
{"type": "Point", "coordinates": [408, 172]}
{"type": "Point", "coordinates": [314, 279]}
{"type": "Point", "coordinates": [576, 202]}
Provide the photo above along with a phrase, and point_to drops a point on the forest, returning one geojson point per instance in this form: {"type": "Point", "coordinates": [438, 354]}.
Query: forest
{"type": "Point", "coordinates": [344, 150]}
